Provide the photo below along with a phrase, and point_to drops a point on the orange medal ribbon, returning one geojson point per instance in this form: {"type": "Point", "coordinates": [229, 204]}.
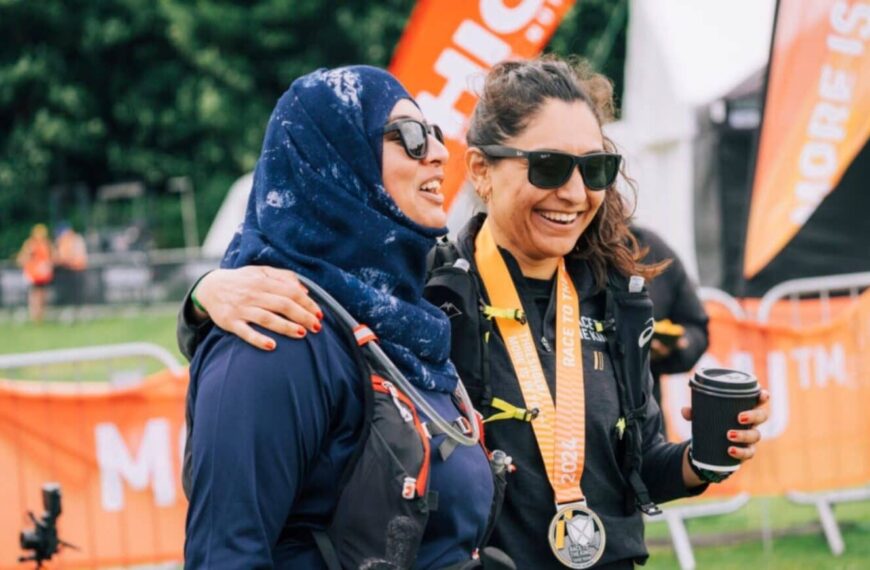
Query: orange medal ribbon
{"type": "Point", "coordinates": [560, 428]}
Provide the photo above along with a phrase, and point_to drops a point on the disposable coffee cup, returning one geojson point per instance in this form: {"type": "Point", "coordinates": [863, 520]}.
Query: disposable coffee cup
{"type": "Point", "coordinates": [718, 397]}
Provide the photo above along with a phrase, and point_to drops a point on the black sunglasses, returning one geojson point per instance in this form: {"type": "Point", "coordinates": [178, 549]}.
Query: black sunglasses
{"type": "Point", "coordinates": [549, 170]}
{"type": "Point", "coordinates": [414, 135]}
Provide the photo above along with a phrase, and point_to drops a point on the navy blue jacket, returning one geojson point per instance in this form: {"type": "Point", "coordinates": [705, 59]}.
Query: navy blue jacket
{"type": "Point", "coordinates": [271, 436]}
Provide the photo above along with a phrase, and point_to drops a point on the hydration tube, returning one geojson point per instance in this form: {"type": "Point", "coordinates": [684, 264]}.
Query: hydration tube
{"type": "Point", "coordinates": [396, 376]}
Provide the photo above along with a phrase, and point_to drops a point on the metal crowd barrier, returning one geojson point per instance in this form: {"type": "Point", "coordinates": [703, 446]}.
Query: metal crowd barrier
{"type": "Point", "coordinates": [676, 516]}
{"type": "Point", "coordinates": [134, 277]}
{"type": "Point", "coordinates": [92, 354]}
{"type": "Point", "coordinates": [824, 502]}
{"type": "Point", "coordinates": [822, 287]}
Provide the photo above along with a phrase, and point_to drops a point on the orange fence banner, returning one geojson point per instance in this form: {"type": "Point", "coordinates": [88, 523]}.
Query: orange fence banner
{"type": "Point", "coordinates": [117, 456]}
{"type": "Point", "coordinates": [816, 118]}
{"type": "Point", "coordinates": [448, 45]}
{"type": "Point", "coordinates": [818, 434]}
{"type": "Point", "coordinates": [117, 452]}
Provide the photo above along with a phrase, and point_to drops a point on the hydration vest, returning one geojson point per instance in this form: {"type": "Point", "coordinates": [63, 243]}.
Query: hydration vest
{"type": "Point", "coordinates": [385, 502]}
{"type": "Point", "coordinates": [455, 288]}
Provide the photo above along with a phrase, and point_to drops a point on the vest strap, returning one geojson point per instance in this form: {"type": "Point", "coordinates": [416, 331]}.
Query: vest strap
{"type": "Point", "coordinates": [327, 549]}
{"type": "Point", "coordinates": [491, 312]}
{"type": "Point", "coordinates": [510, 412]}
{"type": "Point", "coordinates": [363, 335]}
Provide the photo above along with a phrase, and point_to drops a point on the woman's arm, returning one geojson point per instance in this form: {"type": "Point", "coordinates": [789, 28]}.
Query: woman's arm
{"type": "Point", "coordinates": [233, 299]}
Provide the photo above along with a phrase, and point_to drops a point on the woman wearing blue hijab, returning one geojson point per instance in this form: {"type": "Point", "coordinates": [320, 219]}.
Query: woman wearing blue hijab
{"type": "Point", "coordinates": [345, 194]}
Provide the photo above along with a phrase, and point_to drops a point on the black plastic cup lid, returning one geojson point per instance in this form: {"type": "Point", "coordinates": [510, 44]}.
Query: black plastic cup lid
{"type": "Point", "coordinates": [725, 381]}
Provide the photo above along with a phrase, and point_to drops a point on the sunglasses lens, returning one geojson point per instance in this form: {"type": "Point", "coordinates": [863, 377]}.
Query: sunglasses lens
{"type": "Point", "coordinates": [439, 136]}
{"type": "Point", "coordinates": [599, 171]}
{"type": "Point", "coordinates": [549, 170]}
{"type": "Point", "coordinates": [415, 138]}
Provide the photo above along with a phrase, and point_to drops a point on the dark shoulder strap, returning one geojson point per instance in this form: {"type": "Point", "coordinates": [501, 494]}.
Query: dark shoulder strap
{"type": "Point", "coordinates": [327, 549]}
{"type": "Point", "coordinates": [454, 288]}
{"type": "Point", "coordinates": [362, 364]}
{"type": "Point", "coordinates": [622, 326]}
{"type": "Point", "coordinates": [321, 538]}
{"type": "Point", "coordinates": [444, 253]}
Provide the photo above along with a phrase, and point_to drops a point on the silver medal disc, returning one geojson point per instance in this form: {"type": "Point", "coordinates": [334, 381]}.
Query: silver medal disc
{"type": "Point", "coordinates": [576, 536]}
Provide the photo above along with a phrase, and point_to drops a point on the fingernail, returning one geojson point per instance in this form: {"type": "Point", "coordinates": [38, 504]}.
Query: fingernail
{"type": "Point", "coordinates": [301, 332]}
{"type": "Point", "coordinates": [732, 434]}
{"type": "Point", "coordinates": [319, 315]}
{"type": "Point", "coordinates": [317, 326]}
{"type": "Point", "coordinates": [270, 344]}
{"type": "Point", "coordinates": [732, 451]}
{"type": "Point", "coordinates": [743, 418]}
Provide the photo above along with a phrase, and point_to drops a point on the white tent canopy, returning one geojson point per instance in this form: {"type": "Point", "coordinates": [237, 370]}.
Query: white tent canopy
{"type": "Point", "coordinates": [229, 217]}
{"type": "Point", "coordinates": [681, 55]}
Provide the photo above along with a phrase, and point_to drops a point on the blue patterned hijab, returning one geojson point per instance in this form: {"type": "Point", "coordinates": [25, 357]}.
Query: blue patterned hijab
{"type": "Point", "coordinates": [319, 207]}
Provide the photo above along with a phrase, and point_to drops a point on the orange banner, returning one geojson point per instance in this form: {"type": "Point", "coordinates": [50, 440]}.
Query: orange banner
{"type": "Point", "coordinates": [450, 45]}
{"type": "Point", "coordinates": [816, 118]}
{"type": "Point", "coordinates": [116, 454]}
{"type": "Point", "coordinates": [818, 435]}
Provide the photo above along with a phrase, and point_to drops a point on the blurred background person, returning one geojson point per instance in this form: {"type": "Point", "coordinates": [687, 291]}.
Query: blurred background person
{"type": "Point", "coordinates": [70, 263]}
{"type": "Point", "coordinates": [681, 335]}
{"type": "Point", "coordinates": [35, 258]}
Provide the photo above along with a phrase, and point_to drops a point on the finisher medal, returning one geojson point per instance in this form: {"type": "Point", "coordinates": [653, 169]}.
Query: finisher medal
{"type": "Point", "coordinates": [577, 536]}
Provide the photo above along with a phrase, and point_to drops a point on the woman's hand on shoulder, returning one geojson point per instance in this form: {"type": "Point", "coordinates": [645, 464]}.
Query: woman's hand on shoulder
{"type": "Point", "coordinates": [273, 298]}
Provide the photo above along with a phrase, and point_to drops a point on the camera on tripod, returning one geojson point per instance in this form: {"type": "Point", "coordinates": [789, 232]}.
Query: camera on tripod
{"type": "Point", "coordinates": [43, 539]}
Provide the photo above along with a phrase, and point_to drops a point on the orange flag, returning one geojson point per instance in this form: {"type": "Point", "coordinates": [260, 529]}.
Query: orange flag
{"type": "Point", "coordinates": [816, 118]}
{"type": "Point", "coordinates": [451, 44]}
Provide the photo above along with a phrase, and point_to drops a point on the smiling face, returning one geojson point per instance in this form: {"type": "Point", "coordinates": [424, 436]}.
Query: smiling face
{"type": "Point", "coordinates": [540, 226]}
{"type": "Point", "coordinates": [415, 185]}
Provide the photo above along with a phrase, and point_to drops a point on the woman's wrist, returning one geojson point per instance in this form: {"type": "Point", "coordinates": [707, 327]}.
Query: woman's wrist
{"type": "Point", "coordinates": [690, 477]}
{"type": "Point", "coordinates": [703, 476]}
{"type": "Point", "coordinates": [197, 309]}
{"type": "Point", "coordinates": [196, 304]}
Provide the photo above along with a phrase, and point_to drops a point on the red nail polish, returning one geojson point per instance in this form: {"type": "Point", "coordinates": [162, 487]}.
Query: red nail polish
{"type": "Point", "coordinates": [742, 418]}
{"type": "Point", "coordinates": [301, 332]}
{"type": "Point", "coordinates": [732, 451]}
{"type": "Point", "coordinates": [319, 315]}
{"type": "Point", "coordinates": [317, 327]}
{"type": "Point", "coordinates": [732, 434]}
{"type": "Point", "coordinates": [270, 344]}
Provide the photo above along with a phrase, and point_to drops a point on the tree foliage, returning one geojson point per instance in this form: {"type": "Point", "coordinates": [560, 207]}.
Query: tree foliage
{"type": "Point", "coordinates": [96, 92]}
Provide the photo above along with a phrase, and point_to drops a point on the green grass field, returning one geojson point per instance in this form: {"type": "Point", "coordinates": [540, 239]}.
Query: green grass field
{"type": "Point", "coordinates": [158, 328]}
{"type": "Point", "coordinates": [124, 327]}
{"type": "Point", "coordinates": [727, 542]}
{"type": "Point", "coordinates": [734, 541]}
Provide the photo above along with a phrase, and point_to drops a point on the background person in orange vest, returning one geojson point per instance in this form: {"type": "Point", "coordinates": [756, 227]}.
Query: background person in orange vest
{"type": "Point", "coordinates": [35, 258]}
{"type": "Point", "coordinates": [71, 261]}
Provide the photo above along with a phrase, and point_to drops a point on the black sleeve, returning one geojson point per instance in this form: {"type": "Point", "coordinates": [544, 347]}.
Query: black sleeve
{"type": "Point", "coordinates": [662, 469]}
{"type": "Point", "coordinates": [189, 331]}
{"type": "Point", "coordinates": [688, 311]}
